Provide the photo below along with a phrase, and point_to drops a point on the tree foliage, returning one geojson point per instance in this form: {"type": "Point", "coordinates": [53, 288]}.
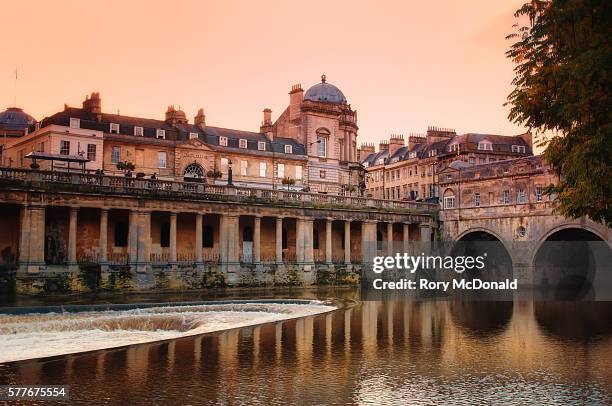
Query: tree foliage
{"type": "Point", "coordinates": [562, 86]}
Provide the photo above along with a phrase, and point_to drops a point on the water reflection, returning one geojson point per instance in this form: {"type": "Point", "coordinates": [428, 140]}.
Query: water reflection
{"type": "Point", "coordinates": [395, 352]}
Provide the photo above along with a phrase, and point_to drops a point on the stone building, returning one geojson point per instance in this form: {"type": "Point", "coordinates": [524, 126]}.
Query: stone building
{"type": "Point", "coordinates": [401, 170]}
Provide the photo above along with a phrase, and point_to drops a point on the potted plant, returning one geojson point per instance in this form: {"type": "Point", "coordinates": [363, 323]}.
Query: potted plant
{"type": "Point", "coordinates": [214, 174]}
{"type": "Point", "coordinates": [348, 189]}
{"type": "Point", "coordinates": [126, 167]}
{"type": "Point", "coordinates": [288, 181]}
{"type": "Point", "coordinates": [34, 165]}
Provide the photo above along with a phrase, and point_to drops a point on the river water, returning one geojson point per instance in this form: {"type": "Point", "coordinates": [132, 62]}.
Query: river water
{"type": "Point", "coordinates": [428, 352]}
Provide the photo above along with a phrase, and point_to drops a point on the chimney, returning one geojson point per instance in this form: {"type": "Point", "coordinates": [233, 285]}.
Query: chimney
{"type": "Point", "coordinates": [296, 95]}
{"type": "Point", "coordinates": [527, 137]}
{"type": "Point", "coordinates": [414, 140]}
{"type": "Point", "coordinates": [93, 104]}
{"type": "Point", "coordinates": [383, 145]}
{"type": "Point", "coordinates": [395, 142]}
{"type": "Point", "coordinates": [174, 116]}
{"type": "Point", "coordinates": [364, 150]}
{"type": "Point", "coordinates": [439, 134]}
{"type": "Point", "coordinates": [200, 119]}
{"type": "Point", "coordinates": [267, 117]}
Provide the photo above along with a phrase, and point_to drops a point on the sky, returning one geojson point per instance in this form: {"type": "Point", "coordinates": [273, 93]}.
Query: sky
{"type": "Point", "coordinates": [403, 65]}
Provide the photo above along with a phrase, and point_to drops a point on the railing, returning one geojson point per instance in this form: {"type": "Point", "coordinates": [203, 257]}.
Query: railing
{"type": "Point", "coordinates": [121, 184]}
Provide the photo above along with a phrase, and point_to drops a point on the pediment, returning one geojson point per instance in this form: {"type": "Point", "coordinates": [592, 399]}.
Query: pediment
{"type": "Point", "coordinates": [194, 144]}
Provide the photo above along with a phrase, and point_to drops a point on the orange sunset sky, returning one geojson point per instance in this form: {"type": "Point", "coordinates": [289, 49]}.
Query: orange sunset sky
{"type": "Point", "coordinates": [403, 65]}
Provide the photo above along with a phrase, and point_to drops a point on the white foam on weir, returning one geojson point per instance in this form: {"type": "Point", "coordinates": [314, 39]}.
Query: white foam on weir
{"type": "Point", "coordinates": [38, 335]}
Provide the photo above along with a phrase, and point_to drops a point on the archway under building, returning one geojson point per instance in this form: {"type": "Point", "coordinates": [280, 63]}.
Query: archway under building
{"type": "Point", "coordinates": [493, 254]}
{"type": "Point", "coordinates": [567, 261]}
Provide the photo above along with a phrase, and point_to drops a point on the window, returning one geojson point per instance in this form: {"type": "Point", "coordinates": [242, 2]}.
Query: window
{"type": "Point", "coordinates": [449, 202]}
{"type": "Point", "coordinates": [261, 145]}
{"type": "Point", "coordinates": [322, 152]}
{"type": "Point", "coordinates": [298, 172]}
{"type": "Point", "coordinates": [288, 149]}
{"type": "Point", "coordinates": [453, 148]}
{"type": "Point", "coordinates": [139, 131]}
{"type": "Point", "coordinates": [116, 155]}
{"type": "Point", "coordinates": [485, 146]}
{"type": "Point", "coordinates": [161, 159]}
{"type": "Point", "coordinates": [193, 136]}
{"type": "Point", "coordinates": [223, 141]}
{"type": "Point", "coordinates": [42, 147]}
{"type": "Point", "coordinates": [477, 199]}
{"type": "Point", "coordinates": [224, 164]}
{"type": "Point", "coordinates": [114, 128]}
{"type": "Point", "coordinates": [411, 155]}
{"type": "Point", "coordinates": [244, 165]}
{"type": "Point", "coordinates": [506, 197]}
{"type": "Point", "coordinates": [522, 198]}
{"type": "Point", "coordinates": [121, 234]}
{"type": "Point", "coordinates": [242, 143]}
{"type": "Point", "coordinates": [91, 152]}
{"type": "Point", "coordinates": [161, 134]}
{"type": "Point", "coordinates": [432, 152]}
{"type": "Point", "coordinates": [472, 160]}
{"type": "Point", "coordinates": [64, 147]}
{"type": "Point", "coordinates": [208, 236]}
{"type": "Point", "coordinates": [75, 122]}
{"type": "Point", "coordinates": [164, 235]}
{"type": "Point", "coordinates": [322, 174]}
{"type": "Point", "coordinates": [262, 169]}
{"type": "Point", "coordinates": [281, 170]}
{"type": "Point", "coordinates": [518, 148]}
{"type": "Point", "coordinates": [539, 191]}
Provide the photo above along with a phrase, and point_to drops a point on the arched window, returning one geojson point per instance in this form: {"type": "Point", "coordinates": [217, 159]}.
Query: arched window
{"type": "Point", "coordinates": [194, 171]}
{"type": "Point", "coordinates": [121, 234]}
{"type": "Point", "coordinates": [164, 235]}
{"type": "Point", "coordinates": [208, 236]}
{"type": "Point", "coordinates": [247, 234]}
{"type": "Point", "coordinates": [449, 199]}
{"type": "Point", "coordinates": [322, 139]}
{"type": "Point", "coordinates": [315, 239]}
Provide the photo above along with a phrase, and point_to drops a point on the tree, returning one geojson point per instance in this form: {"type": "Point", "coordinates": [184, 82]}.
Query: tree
{"type": "Point", "coordinates": [562, 85]}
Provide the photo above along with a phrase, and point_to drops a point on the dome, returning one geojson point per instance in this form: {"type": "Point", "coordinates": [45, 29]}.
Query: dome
{"type": "Point", "coordinates": [14, 118]}
{"type": "Point", "coordinates": [325, 92]}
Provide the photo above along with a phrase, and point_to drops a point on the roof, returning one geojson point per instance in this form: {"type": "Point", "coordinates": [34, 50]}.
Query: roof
{"type": "Point", "coordinates": [45, 156]}
{"type": "Point", "coordinates": [325, 92]}
{"type": "Point", "coordinates": [15, 118]}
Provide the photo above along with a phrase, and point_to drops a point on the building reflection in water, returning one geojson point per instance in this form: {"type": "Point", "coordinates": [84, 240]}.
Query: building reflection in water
{"type": "Point", "coordinates": [416, 352]}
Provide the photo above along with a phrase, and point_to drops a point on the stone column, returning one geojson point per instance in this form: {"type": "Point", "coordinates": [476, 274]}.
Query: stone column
{"type": "Point", "coordinates": [24, 237]}
{"type": "Point", "coordinates": [103, 241]}
{"type": "Point", "coordinates": [143, 241]}
{"type": "Point", "coordinates": [173, 258]}
{"type": "Point", "coordinates": [257, 240]}
{"type": "Point", "coordinates": [390, 239]}
{"type": "Point", "coordinates": [72, 238]}
{"type": "Point", "coordinates": [406, 237]}
{"type": "Point", "coordinates": [309, 241]}
{"type": "Point", "coordinates": [299, 240]}
{"type": "Point", "coordinates": [368, 245]}
{"type": "Point", "coordinates": [347, 141]}
{"type": "Point", "coordinates": [328, 241]}
{"type": "Point", "coordinates": [232, 247]}
{"type": "Point", "coordinates": [222, 241]}
{"type": "Point", "coordinates": [32, 241]}
{"type": "Point", "coordinates": [279, 240]}
{"type": "Point", "coordinates": [198, 239]}
{"type": "Point", "coordinates": [133, 237]}
{"type": "Point", "coordinates": [347, 242]}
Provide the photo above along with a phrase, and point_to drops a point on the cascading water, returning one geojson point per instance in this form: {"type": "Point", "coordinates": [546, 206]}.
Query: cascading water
{"type": "Point", "coordinates": [35, 335]}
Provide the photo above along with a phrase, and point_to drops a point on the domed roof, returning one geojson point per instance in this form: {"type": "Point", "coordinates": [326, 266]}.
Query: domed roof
{"type": "Point", "coordinates": [325, 92]}
{"type": "Point", "coordinates": [15, 118]}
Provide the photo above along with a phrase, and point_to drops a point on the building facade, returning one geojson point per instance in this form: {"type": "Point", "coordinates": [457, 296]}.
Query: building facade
{"type": "Point", "coordinates": [311, 146]}
{"type": "Point", "coordinates": [408, 170]}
